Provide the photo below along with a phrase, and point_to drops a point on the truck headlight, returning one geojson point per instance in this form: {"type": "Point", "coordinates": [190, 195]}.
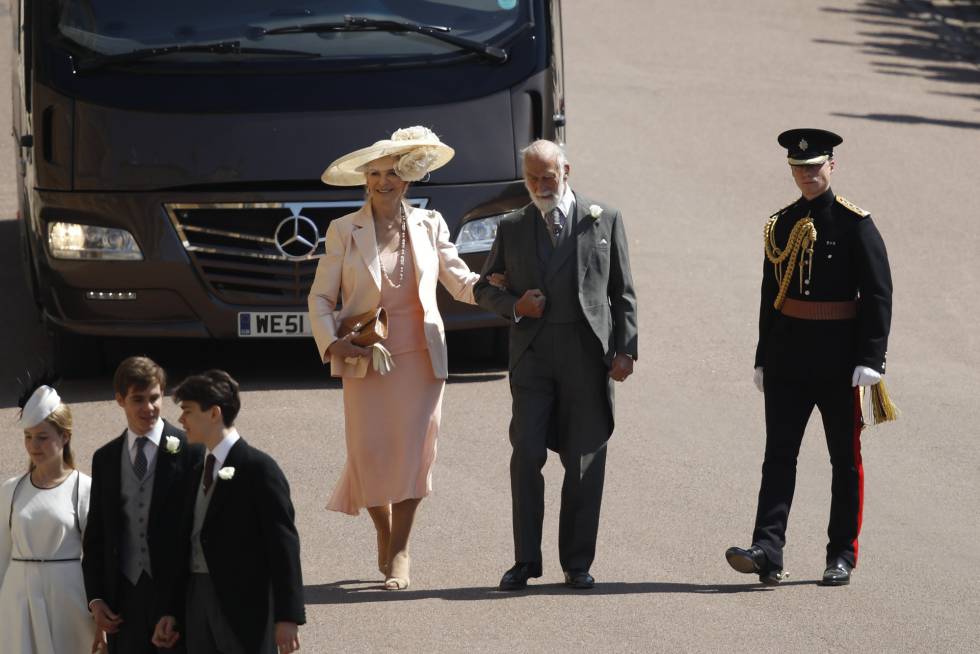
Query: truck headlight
{"type": "Point", "coordinates": [477, 235]}
{"type": "Point", "coordinates": [74, 241]}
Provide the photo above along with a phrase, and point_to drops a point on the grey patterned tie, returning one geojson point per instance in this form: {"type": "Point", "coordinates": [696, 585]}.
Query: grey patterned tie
{"type": "Point", "coordinates": [139, 463]}
{"type": "Point", "coordinates": [555, 225]}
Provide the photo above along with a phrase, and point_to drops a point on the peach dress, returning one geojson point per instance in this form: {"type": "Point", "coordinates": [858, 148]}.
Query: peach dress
{"type": "Point", "coordinates": [392, 421]}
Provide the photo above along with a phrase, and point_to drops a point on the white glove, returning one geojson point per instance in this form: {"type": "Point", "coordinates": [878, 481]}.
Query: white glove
{"type": "Point", "coordinates": [757, 379]}
{"type": "Point", "coordinates": [865, 376]}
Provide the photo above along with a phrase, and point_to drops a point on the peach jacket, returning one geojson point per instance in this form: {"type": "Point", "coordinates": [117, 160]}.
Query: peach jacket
{"type": "Point", "coordinates": [350, 270]}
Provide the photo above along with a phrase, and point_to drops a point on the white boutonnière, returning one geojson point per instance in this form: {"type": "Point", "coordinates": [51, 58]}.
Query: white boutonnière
{"type": "Point", "coordinates": [172, 443]}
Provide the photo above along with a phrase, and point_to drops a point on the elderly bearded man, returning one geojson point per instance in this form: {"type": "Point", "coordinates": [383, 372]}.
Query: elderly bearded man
{"type": "Point", "coordinates": [573, 332]}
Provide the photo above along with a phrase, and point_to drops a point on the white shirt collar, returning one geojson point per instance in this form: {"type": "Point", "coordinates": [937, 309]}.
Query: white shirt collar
{"type": "Point", "coordinates": [154, 435]}
{"type": "Point", "coordinates": [567, 198]}
{"type": "Point", "coordinates": [221, 450]}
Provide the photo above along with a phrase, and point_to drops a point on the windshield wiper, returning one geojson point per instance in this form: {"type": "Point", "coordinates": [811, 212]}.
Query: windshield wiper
{"type": "Point", "coordinates": [218, 47]}
{"type": "Point", "coordinates": [362, 24]}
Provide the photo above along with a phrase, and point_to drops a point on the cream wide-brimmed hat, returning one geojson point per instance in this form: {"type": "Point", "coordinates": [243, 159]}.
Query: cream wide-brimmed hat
{"type": "Point", "coordinates": [420, 149]}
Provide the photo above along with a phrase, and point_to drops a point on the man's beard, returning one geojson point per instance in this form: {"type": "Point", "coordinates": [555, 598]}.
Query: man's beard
{"type": "Point", "coordinates": [546, 205]}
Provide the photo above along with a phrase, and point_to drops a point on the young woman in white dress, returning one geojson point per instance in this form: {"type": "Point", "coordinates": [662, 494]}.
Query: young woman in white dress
{"type": "Point", "coordinates": [42, 516]}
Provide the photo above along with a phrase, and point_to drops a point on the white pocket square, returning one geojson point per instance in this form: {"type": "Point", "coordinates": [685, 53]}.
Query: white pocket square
{"type": "Point", "coordinates": [603, 242]}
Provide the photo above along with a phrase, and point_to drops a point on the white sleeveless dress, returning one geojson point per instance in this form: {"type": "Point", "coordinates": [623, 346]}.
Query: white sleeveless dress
{"type": "Point", "coordinates": [43, 607]}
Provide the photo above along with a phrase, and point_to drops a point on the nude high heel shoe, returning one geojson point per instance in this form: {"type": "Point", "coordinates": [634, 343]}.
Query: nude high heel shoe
{"type": "Point", "coordinates": [398, 579]}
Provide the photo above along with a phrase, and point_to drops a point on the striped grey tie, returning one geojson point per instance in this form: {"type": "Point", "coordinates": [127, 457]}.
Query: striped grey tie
{"type": "Point", "coordinates": [555, 225]}
{"type": "Point", "coordinates": [139, 463]}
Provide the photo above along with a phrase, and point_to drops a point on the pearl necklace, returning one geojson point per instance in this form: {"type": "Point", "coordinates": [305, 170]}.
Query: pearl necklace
{"type": "Point", "coordinates": [401, 254]}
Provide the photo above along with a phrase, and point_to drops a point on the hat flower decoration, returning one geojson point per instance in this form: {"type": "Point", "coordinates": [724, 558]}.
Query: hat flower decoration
{"type": "Point", "coordinates": [415, 164]}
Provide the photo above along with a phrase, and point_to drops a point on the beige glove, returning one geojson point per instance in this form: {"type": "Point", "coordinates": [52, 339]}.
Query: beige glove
{"type": "Point", "coordinates": [381, 359]}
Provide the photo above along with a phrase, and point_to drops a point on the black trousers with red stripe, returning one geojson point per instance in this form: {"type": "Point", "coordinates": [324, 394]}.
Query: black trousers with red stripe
{"type": "Point", "coordinates": [789, 404]}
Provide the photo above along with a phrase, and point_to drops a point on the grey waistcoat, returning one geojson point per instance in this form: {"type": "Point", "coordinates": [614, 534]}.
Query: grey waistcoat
{"type": "Point", "coordinates": [562, 305]}
{"type": "Point", "coordinates": [201, 503]}
{"type": "Point", "coordinates": [135, 496]}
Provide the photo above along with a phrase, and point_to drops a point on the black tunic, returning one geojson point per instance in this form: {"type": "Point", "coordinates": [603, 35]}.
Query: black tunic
{"type": "Point", "coordinates": [849, 262]}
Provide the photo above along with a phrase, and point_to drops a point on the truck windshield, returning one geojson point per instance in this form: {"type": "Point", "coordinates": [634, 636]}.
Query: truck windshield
{"type": "Point", "coordinates": [117, 27]}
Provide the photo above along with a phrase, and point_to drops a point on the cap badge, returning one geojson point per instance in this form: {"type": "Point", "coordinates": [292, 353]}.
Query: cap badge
{"type": "Point", "coordinates": [804, 145]}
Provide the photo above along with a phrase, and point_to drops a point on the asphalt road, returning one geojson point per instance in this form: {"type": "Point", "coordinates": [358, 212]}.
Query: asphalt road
{"type": "Point", "coordinates": [673, 112]}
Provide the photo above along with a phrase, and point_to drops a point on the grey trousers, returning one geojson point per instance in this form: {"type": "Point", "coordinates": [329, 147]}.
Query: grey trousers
{"type": "Point", "coordinates": [560, 389]}
{"type": "Point", "coordinates": [136, 606]}
{"type": "Point", "coordinates": [208, 631]}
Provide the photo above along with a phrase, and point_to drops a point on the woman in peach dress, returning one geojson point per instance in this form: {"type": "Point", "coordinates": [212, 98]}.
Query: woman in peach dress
{"type": "Point", "coordinates": [388, 254]}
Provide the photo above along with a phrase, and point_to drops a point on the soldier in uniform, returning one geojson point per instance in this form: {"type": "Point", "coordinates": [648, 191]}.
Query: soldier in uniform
{"type": "Point", "coordinates": [823, 333]}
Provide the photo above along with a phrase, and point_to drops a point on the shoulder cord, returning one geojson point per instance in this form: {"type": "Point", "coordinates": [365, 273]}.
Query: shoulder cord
{"type": "Point", "coordinates": [799, 246]}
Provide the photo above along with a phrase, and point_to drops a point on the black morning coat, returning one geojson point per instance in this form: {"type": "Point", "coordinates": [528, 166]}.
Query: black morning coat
{"type": "Point", "coordinates": [250, 544]}
{"type": "Point", "coordinates": [103, 534]}
{"type": "Point", "coordinates": [849, 262]}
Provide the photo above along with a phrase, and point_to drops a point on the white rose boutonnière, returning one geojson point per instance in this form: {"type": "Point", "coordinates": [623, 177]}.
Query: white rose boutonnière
{"type": "Point", "coordinates": [595, 211]}
{"type": "Point", "coordinates": [172, 444]}
{"type": "Point", "coordinates": [226, 473]}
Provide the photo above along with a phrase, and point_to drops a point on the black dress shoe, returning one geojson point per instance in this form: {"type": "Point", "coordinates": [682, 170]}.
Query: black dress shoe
{"type": "Point", "coordinates": [516, 578]}
{"type": "Point", "coordinates": [580, 579]}
{"type": "Point", "coordinates": [838, 573]}
{"type": "Point", "coordinates": [754, 561]}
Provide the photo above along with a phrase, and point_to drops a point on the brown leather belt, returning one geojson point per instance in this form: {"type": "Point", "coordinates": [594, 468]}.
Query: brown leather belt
{"type": "Point", "coordinates": [846, 310]}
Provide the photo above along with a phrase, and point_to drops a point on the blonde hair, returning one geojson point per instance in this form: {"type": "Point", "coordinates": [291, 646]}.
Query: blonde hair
{"type": "Point", "coordinates": [61, 420]}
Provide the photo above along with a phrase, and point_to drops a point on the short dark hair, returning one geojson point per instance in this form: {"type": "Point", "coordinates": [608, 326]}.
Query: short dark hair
{"type": "Point", "coordinates": [212, 388]}
{"type": "Point", "coordinates": [140, 373]}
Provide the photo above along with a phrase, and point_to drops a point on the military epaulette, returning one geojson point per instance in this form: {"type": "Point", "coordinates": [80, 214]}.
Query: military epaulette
{"type": "Point", "coordinates": [780, 212]}
{"type": "Point", "coordinates": [847, 204]}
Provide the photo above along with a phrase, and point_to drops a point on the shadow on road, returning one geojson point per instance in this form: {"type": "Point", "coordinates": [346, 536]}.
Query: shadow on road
{"type": "Point", "coordinates": [24, 342]}
{"type": "Point", "coordinates": [930, 38]}
{"type": "Point", "coordinates": [356, 591]}
{"type": "Point", "coordinates": [912, 120]}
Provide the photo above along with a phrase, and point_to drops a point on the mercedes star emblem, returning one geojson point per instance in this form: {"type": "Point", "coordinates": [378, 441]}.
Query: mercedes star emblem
{"type": "Point", "coordinates": [297, 237]}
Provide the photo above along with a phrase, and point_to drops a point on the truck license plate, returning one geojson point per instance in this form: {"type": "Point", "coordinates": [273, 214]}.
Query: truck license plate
{"type": "Point", "coordinates": [273, 324]}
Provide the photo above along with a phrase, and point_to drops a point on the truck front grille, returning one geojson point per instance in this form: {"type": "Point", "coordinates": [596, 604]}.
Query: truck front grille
{"type": "Point", "coordinates": [233, 247]}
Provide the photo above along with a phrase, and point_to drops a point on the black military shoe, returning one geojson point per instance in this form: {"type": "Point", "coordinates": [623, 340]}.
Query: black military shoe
{"type": "Point", "coordinates": [516, 578]}
{"type": "Point", "coordinates": [754, 561]}
{"type": "Point", "coordinates": [580, 579]}
{"type": "Point", "coordinates": [838, 573]}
